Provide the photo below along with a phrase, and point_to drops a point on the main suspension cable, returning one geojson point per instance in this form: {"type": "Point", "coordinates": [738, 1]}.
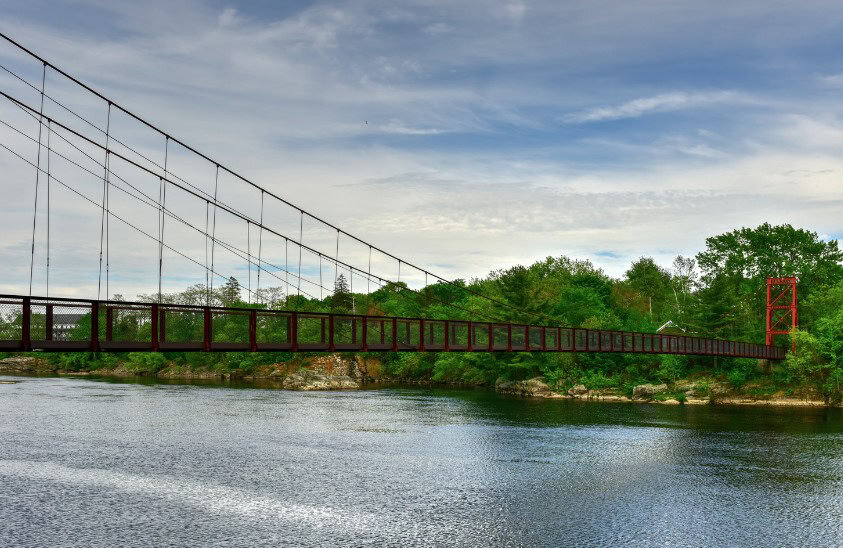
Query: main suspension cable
{"type": "Point", "coordinates": [159, 205]}
{"type": "Point", "coordinates": [254, 185]}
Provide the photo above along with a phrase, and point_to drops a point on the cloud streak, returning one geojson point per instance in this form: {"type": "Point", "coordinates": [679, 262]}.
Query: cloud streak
{"type": "Point", "coordinates": [663, 102]}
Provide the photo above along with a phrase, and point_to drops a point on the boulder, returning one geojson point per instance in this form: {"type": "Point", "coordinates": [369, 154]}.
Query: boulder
{"type": "Point", "coordinates": [578, 391]}
{"type": "Point", "coordinates": [310, 380]}
{"type": "Point", "coordinates": [533, 388]}
{"type": "Point", "coordinates": [648, 391]}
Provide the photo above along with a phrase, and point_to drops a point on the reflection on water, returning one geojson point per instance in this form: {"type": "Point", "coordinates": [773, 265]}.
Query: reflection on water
{"type": "Point", "coordinates": [84, 463]}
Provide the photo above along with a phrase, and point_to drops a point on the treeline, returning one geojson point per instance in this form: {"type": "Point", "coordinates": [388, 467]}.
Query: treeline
{"type": "Point", "coordinates": [719, 293]}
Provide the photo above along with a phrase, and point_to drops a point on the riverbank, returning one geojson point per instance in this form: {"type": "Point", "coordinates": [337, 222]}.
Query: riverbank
{"type": "Point", "coordinates": [338, 372]}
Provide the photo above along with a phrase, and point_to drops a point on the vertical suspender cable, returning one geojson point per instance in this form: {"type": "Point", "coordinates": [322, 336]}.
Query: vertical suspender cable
{"type": "Point", "coordinates": [104, 207]}
{"type": "Point", "coordinates": [287, 269]}
{"type": "Point", "coordinates": [336, 260]}
{"type": "Point", "coordinates": [321, 295]}
{"type": "Point", "coordinates": [207, 271]}
{"type": "Point", "coordinates": [107, 205]}
{"type": "Point", "coordinates": [260, 246]}
{"type": "Point", "coordinates": [369, 281]}
{"type": "Point", "coordinates": [249, 258]}
{"type": "Point", "coordinates": [48, 205]}
{"type": "Point", "coordinates": [162, 204]}
{"type": "Point", "coordinates": [214, 232]}
{"type": "Point", "coordinates": [37, 178]}
{"type": "Point", "coordinates": [301, 232]}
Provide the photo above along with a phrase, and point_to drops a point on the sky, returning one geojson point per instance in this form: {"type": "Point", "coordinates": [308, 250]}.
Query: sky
{"type": "Point", "coordinates": [461, 136]}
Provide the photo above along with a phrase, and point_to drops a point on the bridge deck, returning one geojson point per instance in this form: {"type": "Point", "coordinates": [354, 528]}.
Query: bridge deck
{"type": "Point", "coordinates": [66, 325]}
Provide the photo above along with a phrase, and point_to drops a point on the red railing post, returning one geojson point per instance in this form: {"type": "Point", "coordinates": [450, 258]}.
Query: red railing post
{"type": "Point", "coordinates": [330, 332]}
{"type": "Point", "coordinates": [544, 339]}
{"type": "Point", "coordinates": [421, 335]}
{"type": "Point", "coordinates": [162, 325]}
{"type": "Point", "coordinates": [206, 333]}
{"type": "Point", "coordinates": [365, 333]}
{"type": "Point", "coordinates": [48, 335]}
{"type": "Point", "coordinates": [25, 319]}
{"type": "Point", "coordinates": [527, 345]}
{"type": "Point", "coordinates": [109, 323]}
{"type": "Point", "coordinates": [95, 325]}
{"type": "Point", "coordinates": [153, 342]}
{"type": "Point", "coordinates": [470, 343]}
{"type": "Point", "coordinates": [447, 336]}
{"type": "Point", "coordinates": [253, 330]}
{"type": "Point", "coordinates": [491, 337]}
{"type": "Point", "coordinates": [294, 332]}
{"type": "Point", "coordinates": [395, 334]}
{"type": "Point", "coordinates": [353, 330]}
{"type": "Point", "coordinates": [509, 337]}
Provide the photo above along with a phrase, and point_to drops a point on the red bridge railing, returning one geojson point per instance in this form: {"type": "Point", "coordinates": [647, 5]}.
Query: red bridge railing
{"type": "Point", "coordinates": [66, 325]}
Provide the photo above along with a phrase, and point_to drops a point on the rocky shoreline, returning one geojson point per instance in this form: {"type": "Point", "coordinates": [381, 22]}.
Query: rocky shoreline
{"type": "Point", "coordinates": [335, 372]}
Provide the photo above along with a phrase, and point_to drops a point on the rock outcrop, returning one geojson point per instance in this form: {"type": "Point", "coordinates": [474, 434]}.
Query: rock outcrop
{"type": "Point", "coordinates": [535, 388]}
{"type": "Point", "coordinates": [648, 391]}
{"type": "Point", "coordinates": [25, 364]}
{"type": "Point", "coordinates": [578, 391]}
{"type": "Point", "coordinates": [306, 379]}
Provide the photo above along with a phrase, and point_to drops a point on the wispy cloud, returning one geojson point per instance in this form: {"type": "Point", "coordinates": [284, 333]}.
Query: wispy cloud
{"type": "Point", "coordinates": [663, 102]}
{"type": "Point", "coordinates": [398, 128]}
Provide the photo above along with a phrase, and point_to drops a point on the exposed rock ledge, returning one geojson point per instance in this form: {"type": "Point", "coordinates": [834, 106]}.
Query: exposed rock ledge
{"type": "Point", "coordinates": [24, 364]}
{"type": "Point", "coordinates": [534, 388]}
{"type": "Point", "coordinates": [310, 380]}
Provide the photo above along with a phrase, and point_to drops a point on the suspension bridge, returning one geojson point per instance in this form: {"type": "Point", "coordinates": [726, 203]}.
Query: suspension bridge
{"type": "Point", "coordinates": [203, 219]}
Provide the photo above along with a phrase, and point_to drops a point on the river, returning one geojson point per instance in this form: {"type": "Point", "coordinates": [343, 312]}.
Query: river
{"type": "Point", "coordinates": [96, 463]}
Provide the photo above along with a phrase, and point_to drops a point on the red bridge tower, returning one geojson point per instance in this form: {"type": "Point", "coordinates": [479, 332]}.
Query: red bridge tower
{"type": "Point", "coordinates": [782, 313]}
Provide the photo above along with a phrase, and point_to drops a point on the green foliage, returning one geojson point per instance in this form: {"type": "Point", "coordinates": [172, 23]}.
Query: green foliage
{"type": "Point", "coordinates": [736, 378]}
{"type": "Point", "coordinates": [671, 367]}
{"type": "Point", "coordinates": [342, 299]}
{"type": "Point", "coordinates": [145, 362]}
{"type": "Point", "coordinates": [596, 380]}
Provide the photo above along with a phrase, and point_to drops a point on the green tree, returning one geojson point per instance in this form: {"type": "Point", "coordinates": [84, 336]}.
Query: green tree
{"type": "Point", "coordinates": [743, 259]}
{"type": "Point", "coordinates": [229, 294]}
{"type": "Point", "coordinates": [652, 282]}
{"type": "Point", "coordinates": [341, 300]}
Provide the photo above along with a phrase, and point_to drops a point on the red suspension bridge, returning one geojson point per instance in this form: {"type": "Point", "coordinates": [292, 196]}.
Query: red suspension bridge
{"type": "Point", "coordinates": [99, 155]}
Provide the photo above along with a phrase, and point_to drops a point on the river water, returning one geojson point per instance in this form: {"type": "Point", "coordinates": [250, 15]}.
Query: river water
{"type": "Point", "coordinates": [94, 463]}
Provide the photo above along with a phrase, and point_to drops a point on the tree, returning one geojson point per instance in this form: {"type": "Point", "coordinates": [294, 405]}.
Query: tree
{"type": "Point", "coordinates": [683, 281]}
{"type": "Point", "coordinates": [739, 262]}
{"type": "Point", "coordinates": [651, 281]}
{"type": "Point", "coordinates": [341, 300]}
{"type": "Point", "coordinates": [229, 294]}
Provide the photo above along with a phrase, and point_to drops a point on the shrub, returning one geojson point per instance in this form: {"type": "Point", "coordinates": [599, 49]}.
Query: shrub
{"type": "Point", "coordinates": [737, 378]}
{"type": "Point", "coordinates": [671, 368]}
{"type": "Point", "coordinates": [145, 362]}
{"type": "Point", "coordinates": [595, 380]}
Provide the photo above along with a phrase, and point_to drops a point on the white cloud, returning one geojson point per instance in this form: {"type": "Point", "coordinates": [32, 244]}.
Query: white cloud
{"type": "Point", "coordinates": [284, 100]}
{"type": "Point", "coordinates": [832, 80]}
{"type": "Point", "coordinates": [398, 128]}
{"type": "Point", "coordinates": [663, 102]}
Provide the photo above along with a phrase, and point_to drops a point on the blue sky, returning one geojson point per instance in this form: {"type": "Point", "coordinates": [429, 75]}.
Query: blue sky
{"type": "Point", "coordinates": [476, 135]}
